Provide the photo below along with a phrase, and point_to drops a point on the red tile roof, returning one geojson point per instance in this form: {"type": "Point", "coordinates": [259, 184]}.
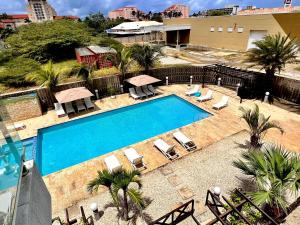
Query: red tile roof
{"type": "Point", "coordinates": [18, 16]}
{"type": "Point", "coordinates": [7, 21]}
{"type": "Point", "coordinates": [68, 17]}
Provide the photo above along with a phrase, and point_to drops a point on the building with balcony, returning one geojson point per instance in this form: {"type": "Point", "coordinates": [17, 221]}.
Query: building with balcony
{"type": "Point", "coordinates": [40, 10]}
{"type": "Point", "coordinates": [127, 12]}
{"type": "Point", "coordinates": [177, 8]}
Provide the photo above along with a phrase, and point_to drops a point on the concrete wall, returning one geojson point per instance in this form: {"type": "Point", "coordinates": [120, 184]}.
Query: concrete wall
{"type": "Point", "coordinates": [202, 36]}
{"type": "Point", "coordinates": [30, 108]}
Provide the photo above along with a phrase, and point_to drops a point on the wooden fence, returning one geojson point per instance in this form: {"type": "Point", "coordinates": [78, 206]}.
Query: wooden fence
{"type": "Point", "coordinates": [230, 77]}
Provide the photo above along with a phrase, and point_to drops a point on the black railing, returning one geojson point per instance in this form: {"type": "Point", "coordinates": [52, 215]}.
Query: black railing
{"type": "Point", "coordinates": [178, 215]}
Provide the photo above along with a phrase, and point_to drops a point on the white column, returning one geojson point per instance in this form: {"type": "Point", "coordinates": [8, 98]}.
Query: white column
{"type": "Point", "coordinates": [219, 81]}
{"type": "Point", "coordinates": [266, 96]}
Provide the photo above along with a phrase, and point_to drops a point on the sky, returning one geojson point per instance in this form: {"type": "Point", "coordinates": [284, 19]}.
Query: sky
{"type": "Point", "coordinates": [82, 8]}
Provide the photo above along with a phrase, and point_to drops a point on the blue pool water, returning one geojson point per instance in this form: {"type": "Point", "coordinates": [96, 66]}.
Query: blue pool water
{"type": "Point", "coordinates": [10, 179]}
{"type": "Point", "coordinates": [70, 143]}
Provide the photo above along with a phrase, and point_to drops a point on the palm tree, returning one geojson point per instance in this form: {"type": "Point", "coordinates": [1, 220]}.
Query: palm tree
{"type": "Point", "coordinates": [85, 71]}
{"type": "Point", "coordinates": [119, 181]}
{"type": "Point", "coordinates": [258, 124]}
{"type": "Point", "coordinates": [272, 53]}
{"type": "Point", "coordinates": [122, 182]}
{"type": "Point", "coordinates": [106, 179]}
{"type": "Point", "coordinates": [46, 77]}
{"type": "Point", "coordinates": [123, 59]}
{"type": "Point", "coordinates": [276, 173]}
{"type": "Point", "coordinates": [146, 55]}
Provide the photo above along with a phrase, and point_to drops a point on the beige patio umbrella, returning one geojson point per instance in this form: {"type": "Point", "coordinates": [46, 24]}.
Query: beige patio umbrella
{"type": "Point", "coordinates": [142, 80]}
{"type": "Point", "coordinates": [72, 94]}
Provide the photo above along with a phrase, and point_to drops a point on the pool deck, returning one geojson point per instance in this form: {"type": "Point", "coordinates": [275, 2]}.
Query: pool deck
{"type": "Point", "coordinates": [68, 186]}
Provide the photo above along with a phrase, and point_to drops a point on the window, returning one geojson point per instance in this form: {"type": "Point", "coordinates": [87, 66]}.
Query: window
{"type": "Point", "coordinates": [240, 30]}
{"type": "Point", "coordinates": [38, 10]}
{"type": "Point", "coordinates": [230, 29]}
{"type": "Point", "coordinates": [212, 29]}
{"type": "Point", "coordinates": [220, 29]}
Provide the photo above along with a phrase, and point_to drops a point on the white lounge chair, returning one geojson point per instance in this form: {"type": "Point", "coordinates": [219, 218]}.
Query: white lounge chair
{"type": "Point", "coordinates": [112, 163]}
{"type": "Point", "coordinates": [16, 126]}
{"type": "Point", "coordinates": [187, 143]}
{"type": "Point", "coordinates": [139, 92]}
{"type": "Point", "coordinates": [152, 89]}
{"type": "Point", "coordinates": [208, 96]}
{"type": "Point", "coordinates": [133, 94]}
{"type": "Point", "coordinates": [80, 106]}
{"type": "Point", "coordinates": [88, 103]}
{"type": "Point", "coordinates": [166, 149]}
{"type": "Point", "coordinates": [134, 158]}
{"type": "Point", "coordinates": [146, 91]}
{"type": "Point", "coordinates": [193, 91]}
{"type": "Point", "coordinates": [69, 108]}
{"type": "Point", "coordinates": [222, 103]}
{"type": "Point", "coordinates": [59, 110]}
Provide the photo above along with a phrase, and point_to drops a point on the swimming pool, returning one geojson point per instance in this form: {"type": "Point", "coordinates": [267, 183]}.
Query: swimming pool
{"type": "Point", "coordinates": [73, 142]}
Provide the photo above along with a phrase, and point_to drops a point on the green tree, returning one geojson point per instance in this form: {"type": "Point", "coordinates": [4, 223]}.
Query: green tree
{"type": "Point", "coordinates": [6, 32]}
{"type": "Point", "coordinates": [51, 40]}
{"type": "Point", "coordinates": [86, 72]}
{"type": "Point", "coordinates": [276, 173]}
{"type": "Point", "coordinates": [106, 179]}
{"type": "Point", "coordinates": [146, 55]}
{"type": "Point", "coordinates": [99, 24]}
{"type": "Point", "coordinates": [46, 77]}
{"type": "Point", "coordinates": [258, 124]}
{"type": "Point", "coordinates": [273, 53]}
{"type": "Point", "coordinates": [13, 71]}
{"type": "Point", "coordinates": [157, 17]}
{"type": "Point", "coordinates": [120, 181]}
{"type": "Point", "coordinates": [123, 59]}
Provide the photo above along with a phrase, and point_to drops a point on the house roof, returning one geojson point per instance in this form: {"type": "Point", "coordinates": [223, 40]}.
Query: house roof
{"type": "Point", "coordinates": [7, 21]}
{"type": "Point", "coordinates": [83, 51]}
{"type": "Point", "coordinates": [66, 17]}
{"type": "Point", "coordinates": [136, 25]}
{"type": "Point", "coordinates": [142, 80]}
{"type": "Point", "coordinates": [100, 50]}
{"type": "Point", "coordinates": [18, 16]}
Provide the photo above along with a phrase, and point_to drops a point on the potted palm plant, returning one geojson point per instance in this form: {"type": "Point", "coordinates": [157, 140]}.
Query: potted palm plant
{"type": "Point", "coordinates": [258, 124]}
{"type": "Point", "coordinates": [276, 173]}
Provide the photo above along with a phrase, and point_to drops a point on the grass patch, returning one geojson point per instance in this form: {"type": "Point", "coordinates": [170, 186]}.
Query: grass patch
{"type": "Point", "coordinates": [106, 72]}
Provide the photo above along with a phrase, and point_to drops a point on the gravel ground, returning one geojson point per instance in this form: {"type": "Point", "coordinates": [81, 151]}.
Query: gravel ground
{"type": "Point", "coordinates": [197, 172]}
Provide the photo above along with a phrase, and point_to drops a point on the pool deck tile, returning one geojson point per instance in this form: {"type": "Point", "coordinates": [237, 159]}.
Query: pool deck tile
{"type": "Point", "coordinates": [68, 186]}
{"type": "Point", "coordinates": [186, 193]}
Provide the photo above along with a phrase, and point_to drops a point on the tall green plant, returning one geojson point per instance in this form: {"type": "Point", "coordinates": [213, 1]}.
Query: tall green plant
{"type": "Point", "coordinates": [146, 55]}
{"type": "Point", "coordinates": [46, 77]}
{"type": "Point", "coordinates": [117, 182]}
{"type": "Point", "coordinates": [258, 124]}
{"type": "Point", "coordinates": [123, 59]}
{"type": "Point", "coordinates": [276, 173]}
{"type": "Point", "coordinates": [273, 53]}
{"type": "Point", "coordinates": [106, 179]}
{"type": "Point", "coordinates": [86, 72]}
{"type": "Point", "coordinates": [122, 182]}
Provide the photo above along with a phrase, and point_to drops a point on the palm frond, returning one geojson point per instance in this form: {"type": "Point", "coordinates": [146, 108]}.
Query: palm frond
{"type": "Point", "coordinates": [136, 197]}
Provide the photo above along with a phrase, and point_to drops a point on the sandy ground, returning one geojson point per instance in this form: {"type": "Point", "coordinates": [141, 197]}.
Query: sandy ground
{"type": "Point", "coordinates": [231, 58]}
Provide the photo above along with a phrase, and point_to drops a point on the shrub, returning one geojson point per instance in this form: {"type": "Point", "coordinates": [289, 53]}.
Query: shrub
{"type": "Point", "coordinates": [14, 71]}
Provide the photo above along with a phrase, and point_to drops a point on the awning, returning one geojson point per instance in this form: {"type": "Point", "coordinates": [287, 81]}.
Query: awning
{"type": "Point", "coordinates": [72, 94]}
{"type": "Point", "coordinates": [142, 80]}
